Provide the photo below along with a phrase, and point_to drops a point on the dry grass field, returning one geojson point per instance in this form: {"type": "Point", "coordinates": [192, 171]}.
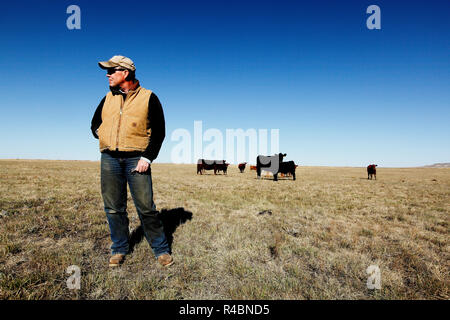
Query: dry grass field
{"type": "Point", "coordinates": [323, 232]}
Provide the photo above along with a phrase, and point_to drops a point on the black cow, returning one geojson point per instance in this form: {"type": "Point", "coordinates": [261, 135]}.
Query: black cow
{"type": "Point", "coordinates": [222, 167]}
{"type": "Point", "coordinates": [215, 165]}
{"type": "Point", "coordinates": [269, 163]}
{"type": "Point", "coordinates": [241, 166]}
{"type": "Point", "coordinates": [288, 168]}
{"type": "Point", "coordinates": [372, 171]}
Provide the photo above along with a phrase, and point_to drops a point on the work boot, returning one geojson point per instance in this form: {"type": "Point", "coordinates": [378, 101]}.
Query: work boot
{"type": "Point", "coordinates": [116, 260]}
{"type": "Point", "coordinates": [165, 260]}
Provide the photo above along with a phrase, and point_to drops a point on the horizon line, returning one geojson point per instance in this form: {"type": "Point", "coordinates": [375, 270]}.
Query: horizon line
{"type": "Point", "coordinates": [338, 166]}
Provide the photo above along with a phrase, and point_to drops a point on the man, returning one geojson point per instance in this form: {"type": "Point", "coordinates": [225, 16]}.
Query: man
{"type": "Point", "coordinates": [129, 123]}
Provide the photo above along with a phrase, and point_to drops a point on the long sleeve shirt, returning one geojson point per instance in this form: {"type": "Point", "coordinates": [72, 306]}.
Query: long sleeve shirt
{"type": "Point", "coordinates": [156, 120]}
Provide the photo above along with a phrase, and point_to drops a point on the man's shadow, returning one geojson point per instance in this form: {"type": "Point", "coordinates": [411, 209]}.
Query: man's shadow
{"type": "Point", "coordinates": [170, 219]}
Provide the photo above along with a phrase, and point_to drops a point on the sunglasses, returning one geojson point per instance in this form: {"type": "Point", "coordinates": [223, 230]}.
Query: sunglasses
{"type": "Point", "coordinates": [112, 71]}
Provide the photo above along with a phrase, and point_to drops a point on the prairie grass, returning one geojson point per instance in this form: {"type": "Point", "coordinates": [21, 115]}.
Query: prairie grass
{"type": "Point", "coordinates": [322, 232]}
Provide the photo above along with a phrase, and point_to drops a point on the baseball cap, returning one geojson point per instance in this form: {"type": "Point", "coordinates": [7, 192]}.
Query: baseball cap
{"type": "Point", "coordinates": [118, 61]}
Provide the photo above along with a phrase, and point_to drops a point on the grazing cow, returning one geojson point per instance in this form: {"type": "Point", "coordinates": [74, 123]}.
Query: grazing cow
{"type": "Point", "coordinates": [222, 167]}
{"type": "Point", "coordinates": [202, 166]}
{"type": "Point", "coordinates": [372, 171]}
{"type": "Point", "coordinates": [270, 163]}
{"type": "Point", "coordinates": [241, 166]}
{"type": "Point", "coordinates": [216, 165]}
{"type": "Point", "coordinates": [288, 174]}
{"type": "Point", "coordinates": [252, 168]}
{"type": "Point", "coordinates": [275, 165]}
{"type": "Point", "coordinates": [288, 168]}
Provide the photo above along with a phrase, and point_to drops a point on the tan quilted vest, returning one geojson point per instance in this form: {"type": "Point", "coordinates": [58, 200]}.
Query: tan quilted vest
{"type": "Point", "coordinates": [125, 125]}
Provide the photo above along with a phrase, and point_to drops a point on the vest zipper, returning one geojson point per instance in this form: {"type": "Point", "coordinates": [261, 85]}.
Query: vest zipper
{"type": "Point", "coordinates": [118, 127]}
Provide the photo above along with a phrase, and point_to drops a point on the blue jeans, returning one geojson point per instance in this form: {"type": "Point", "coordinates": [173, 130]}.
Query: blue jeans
{"type": "Point", "coordinates": [115, 173]}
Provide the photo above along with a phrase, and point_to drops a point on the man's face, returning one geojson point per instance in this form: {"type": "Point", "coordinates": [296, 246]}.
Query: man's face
{"type": "Point", "coordinates": [116, 76]}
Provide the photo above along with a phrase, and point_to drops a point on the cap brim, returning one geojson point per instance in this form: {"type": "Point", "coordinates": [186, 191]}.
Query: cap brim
{"type": "Point", "coordinates": [107, 65]}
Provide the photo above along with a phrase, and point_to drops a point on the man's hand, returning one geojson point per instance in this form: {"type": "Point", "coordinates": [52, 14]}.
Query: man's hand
{"type": "Point", "coordinates": [142, 166]}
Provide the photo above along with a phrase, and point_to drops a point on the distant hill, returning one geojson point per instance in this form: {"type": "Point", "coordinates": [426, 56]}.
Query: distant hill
{"type": "Point", "coordinates": [439, 165]}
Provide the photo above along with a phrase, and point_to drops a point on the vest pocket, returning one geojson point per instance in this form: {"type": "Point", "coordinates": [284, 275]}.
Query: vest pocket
{"type": "Point", "coordinates": [135, 132]}
{"type": "Point", "coordinates": [107, 133]}
{"type": "Point", "coordinates": [104, 140]}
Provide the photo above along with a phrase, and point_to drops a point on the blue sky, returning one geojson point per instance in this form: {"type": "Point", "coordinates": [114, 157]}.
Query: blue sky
{"type": "Point", "coordinates": [340, 94]}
